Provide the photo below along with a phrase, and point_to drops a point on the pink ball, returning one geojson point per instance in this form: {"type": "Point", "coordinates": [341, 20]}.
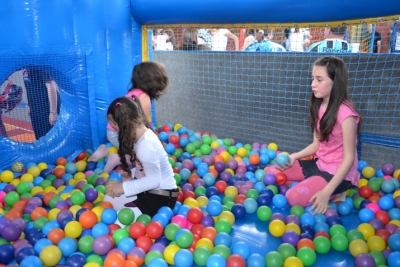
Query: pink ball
{"type": "Point", "coordinates": [180, 220]}
{"type": "Point", "coordinates": [272, 169]}
{"type": "Point", "coordinates": [220, 149]}
{"type": "Point", "coordinates": [373, 206]}
{"type": "Point", "coordinates": [87, 173]}
{"type": "Point", "coordinates": [2, 196]}
{"type": "Point", "coordinates": [189, 225]}
{"type": "Point", "coordinates": [387, 177]}
{"type": "Point", "coordinates": [188, 164]}
{"type": "Point", "coordinates": [243, 189]}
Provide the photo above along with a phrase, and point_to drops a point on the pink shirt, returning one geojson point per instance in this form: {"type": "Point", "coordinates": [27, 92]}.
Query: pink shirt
{"type": "Point", "coordinates": [330, 152]}
{"type": "Point", "coordinates": [135, 92]}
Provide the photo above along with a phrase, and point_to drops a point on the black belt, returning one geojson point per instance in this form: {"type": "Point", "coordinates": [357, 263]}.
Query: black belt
{"type": "Point", "coordinates": [165, 193]}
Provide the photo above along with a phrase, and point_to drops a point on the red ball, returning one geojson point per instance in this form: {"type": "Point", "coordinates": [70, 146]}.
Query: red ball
{"type": "Point", "coordinates": [235, 260]}
{"type": "Point", "coordinates": [384, 234]}
{"type": "Point", "coordinates": [189, 194]}
{"type": "Point", "coordinates": [383, 216]}
{"type": "Point", "coordinates": [113, 227]}
{"type": "Point", "coordinates": [322, 233]}
{"type": "Point", "coordinates": [144, 242]}
{"type": "Point", "coordinates": [193, 245]}
{"type": "Point", "coordinates": [166, 128]}
{"type": "Point", "coordinates": [173, 138]}
{"type": "Point", "coordinates": [175, 170]}
{"type": "Point", "coordinates": [81, 156]}
{"type": "Point", "coordinates": [281, 178]}
{"type": "Point", "coordinates": [221, 186]}
{"type": "Point", "coordinates": [180, 197]}
{"type": "Point", "coordinates": [195, 215]}
{"type": "Point", "coordinates": [154, 230]}
{"type": "Point", "coordinates": [137, 229]}
{"type": "Point", "coordinates": [197, 229]}
{"type": "Point", "coordinates": [239, 199]}
{"type": "Point", "coordinates": [366, 191]}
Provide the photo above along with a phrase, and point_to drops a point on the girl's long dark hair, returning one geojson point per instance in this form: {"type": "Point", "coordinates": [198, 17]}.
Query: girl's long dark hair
{"type": "Point", "coordinates": [127, 113]}
{"type": "Point", "coordinates": [337, 72]}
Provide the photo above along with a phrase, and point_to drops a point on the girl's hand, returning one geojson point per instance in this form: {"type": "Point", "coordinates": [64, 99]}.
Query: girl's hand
{"type": "Point", "coordinates": [320, 202]}
{"type": "Point", "coordinates": [114, 189]}
{"type": "Point", "coordinates": [286, 166]}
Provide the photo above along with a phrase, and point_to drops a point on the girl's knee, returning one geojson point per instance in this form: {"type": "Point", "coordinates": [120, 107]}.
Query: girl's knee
{"type": "Point", "coordinates": [298, 195]}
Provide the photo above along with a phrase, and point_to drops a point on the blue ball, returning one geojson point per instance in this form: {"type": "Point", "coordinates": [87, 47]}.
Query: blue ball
{"type": "Point", "coordinates": [6, 253]}
{"type": "Point", "coordinates": [307, 218]}
{"type": "Point", "coordinates": [41, 244]}
{"type": "Point", "coordinates": [344, 208]}
{"type": "Point", "coordinates": [212, 191]}
{"type": "Point", "coordinates": [126, 244]}
{"type": "Point", "coordinates": [319, 218]}
{"type": "Point", "coordinates": [394, 258]}
{"type": "Point", "coordinates": [242, 249]}
{"type": "Point", "coordinates": [23, 253]}
{"type": "Point", "coordinates": [386, 202]}
{"type": "Point", "coordinates": [167, 211]}
{"type": "Point", "coordinates": [361, 165]}
{"type": "Point", "coordinates": [100, 229]}
{"type": "Point", "coordinates": [109, 216]}
{"type": "Point", "coordinates": [267, 191]}
{"type": "Point", "coordinates": [215, 260]}
{"type": "Point", "coordinates": [282, 159]}
{"type": "Point", "coordinates": [394, 214]}
{"type": "Point", "coordinates": [209, 179]}
{"type": "Point", "coordinates": [250, 205]}
{"type": "Point", "coordinates": [321, 227]}
{"type": "Point", "coordinates": [223, 238]}
{"type": "Point", "coordinates": [76, 260]}
{"type": "Point", "coordinates": [31, 261]}
{"type": "Point", "coordinates": [239, 211]}
{"type": "Point", "coordinates": [394, 242]}
{"type": "Point", "coordinates": [279, 201]}
{"type": "Point", "coordinates": [183, 258]}
{"type": "Point", "coordinates": [307, 229]}
{"type": "Point", "coordinates": [183, 210]}
{"type": "Point", "coordinates": [214, 208]}
{"type": "Point", "coordinates": [169, 148]}
{"type": "Point", "coordinates": [163, 136]}
{"type": "Point", "coordinates": [264, 200]}
{"type": "Point", "coordinates": [334, 220]}
{"type": "Point", "coordinates": [157, 262]}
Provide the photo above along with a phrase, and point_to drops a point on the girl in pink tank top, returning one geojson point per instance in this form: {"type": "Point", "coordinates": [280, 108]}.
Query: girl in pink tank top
{"type": "Point", "coordinates": [149, 82]}
{"type": "Point", "coordinates": [335, 123]}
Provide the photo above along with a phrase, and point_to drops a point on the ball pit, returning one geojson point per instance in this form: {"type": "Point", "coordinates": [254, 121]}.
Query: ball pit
{"type": "Point", "coordinates": [55, 215]}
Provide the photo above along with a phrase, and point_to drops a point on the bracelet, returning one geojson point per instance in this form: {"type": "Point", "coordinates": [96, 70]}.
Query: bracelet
{"type": "Point", "coordinates": [53, 112]}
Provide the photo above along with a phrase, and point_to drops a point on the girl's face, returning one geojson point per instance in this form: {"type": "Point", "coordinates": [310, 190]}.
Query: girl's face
{"type": "Point", "coordinates": [321, 84]}
{"type": "Point", "coordinates": [112, 123]}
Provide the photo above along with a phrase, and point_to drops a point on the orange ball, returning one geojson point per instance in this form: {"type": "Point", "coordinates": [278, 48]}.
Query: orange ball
{"type": "Point", "coordinates": [61, 161]}
{"type": "Point", "coordinates": [114, 259]}
{"type": "Point", "coordinates": [55, 235]}
{"type": "Point", "coordinates": [209, 233]}
{"type": "Point", "coordinates": [135, 260]}
{"type": "Point", "coordinates": [131, 263]}
{"type": "Point", "coordinates": [218, 158]}
{"type": "Point", "coordinates": [88, 219]}
{"type": "Point", "coordinates": [48, 196]}
{"type": "Point", "coordinates": [214, 172]}
{"type": "Point", "coordinates": [106, 205]}
{"type": "Point", "coordinates": [38, 212]}
{"type": "Point", "coordinates": [305, 242]}
{"type": "Point", "coordinates": [239, 199]}
{"type": "Point", "coordinates": [88, 205]}
{"type": "Point", "coordinates": [59, 172]}
{"type": "Point", "coordinates": [193, 177]}
{"type": "Point", "coordinates": [254, 159]}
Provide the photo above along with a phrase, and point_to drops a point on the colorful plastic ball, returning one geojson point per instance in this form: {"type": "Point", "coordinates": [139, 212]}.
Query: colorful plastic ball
{"type": "Point", "coordinates": [223, 239]}
{"type": "Point", "coordinates": [282, 159]}
{"type": "Point", "coordinates": [366, 229]}
{"type": "Point", "coordinates": [239, 211]}
{"type": "Point", "coordinates": [154, 229]}
{"type": "Point", "coordinates": [394, 242]}
{"type": "Point", "coordinates": [250, 205]}
{"type": "Point", "coordinates": [277, 228]}
{"type": "Point", "coordinates": [357, 247]}
{"type": "Point", "coordinates": [223, 226]}
{"type": "Point", "coordinates": [184, 238]}
{"type": "Point", "coordinates": [394, 259]}
{"type": "Point", "coordinates": [286, 250]}
{"type": "Point", "coordinates": [307, 256]}
{"type": "Point", "coordinates": [366, 215]}
{"type": "Point", "coordinates": [274, 259]}
{"type": "Point", "coordinates": [50, 255]}
{"type": "Point", "coordinates": [279, 201]}
{"type": "Point", "coordinates": [67, 246]}
{"type": "Point", "coordinates": [102, 245]}
{"type": "Point", "coordinates": [364, 260]}
{"type": "Point", "coordinates": [214, 208]}
{"type": "Point", "coordinates": [215, 260]}
{"type": "Point", "coordinates": [386, 202]}
{"type": "Point", "coordinates": [264, 213]}
{"type": "Point", "coordinates": [180, 220]}
{"type": "Point", "coordinates": [31, 261]}
{"type": "Point", "coordinates": [11, 232]}
{"type": "Point", "coordinates": [322, 244]}
{"type": "Point", "coordinates": [339, 242]}
{"type": "Point", "coordinates": [290, 237]}
{"type": "Point", "coordinates": [183, 258]}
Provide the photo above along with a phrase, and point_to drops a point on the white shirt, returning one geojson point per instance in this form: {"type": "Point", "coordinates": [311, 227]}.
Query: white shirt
{"type": "Point", "coordinates": [296, 40]}
{"type": "Point", "coordinates": [157, 170]}
{"type": "Point", "coordinates": [219, 40]}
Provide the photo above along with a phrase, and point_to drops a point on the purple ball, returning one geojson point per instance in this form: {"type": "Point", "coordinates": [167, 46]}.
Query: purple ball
{"type": "Point", "coordinates": [9, 188]}
{"type": "Point", "coordinates": [62, 205]}
{"type": "Point", "coordinates": [283, 189]}
{"type": "Point", "coordinates": [209, 160]}
{"type": "Point", "coordinates": [278, 216]}
{"type": "Point", "coordinates": [137, 252]}
{"type": "Point", "coordinates": [102, 245]}
{"type": "Point", "coordinates": [213, 153]}
{"type": "Point", "coordinates": [243, 189]}
{"type": "Point", "coordinates": [11, 232]}
{"type": "Point", "coordinates": [256, 144]}
{"type": "Point", "coordinates": [29, 208]}
{"type": "Point", "coordinates": [199, 182]}
{"type": "Point", "coordinates": [397, 202]}
{"type": "Point", "coordinates": [377, 224]}
{"type": "Point", "coordinates": [207, 221]}
{"type": "Point", "coordinates": [100, 181]}
{"type": "Point", "coordinates": [330, 212]}
{"type": "Point", "coordinates": [187, 187]}
{"type": "Point", "coordinates": [256, 148]}
{"type": "Point", "coordinates": [249, 183]}
{"type": "Point", "coordinates": [58, 182]}
{"type": "Point", "coordinates": [364, 260]}
{"type": "Point", "coordinates": [269, 178]}
{"type": "Point", "coordinates": [187, 164]}
{"type": "Point", "coordinates": [36, 201]}
{"type": "Point", "coordinates": [232, 164]}
{"type": "Point", "coordinates": [238, 184]}
{"type": "Point", "coordinates": [386, 253]}
{"type": "Point", "coordinates": [63, 214]}
{"type": "Point", "coordinates": [388, 169]}
{"type": "Point", "coordinates": [225, 176]}
{"type": "Point", "coordinates": [68, 200]}
{"type": "Point", "coordinates": [20, 222]}
{"type": "Point", "coordinates": [91, 194]}
{"type": "Point", "coordinates": [391, 227]}
{"type": "Point", "coordinates": [292, 219]}
{"type": "Point", "coordinates": [241, 169]}
{"type": "Point", "coordinates": [158, 246]}
{"type": "Point", "coordinates": [219, 166]}
{"type": "Point", "coordinates": [290, 237]}
{"type": "Point", "coordinates": [80, 184]}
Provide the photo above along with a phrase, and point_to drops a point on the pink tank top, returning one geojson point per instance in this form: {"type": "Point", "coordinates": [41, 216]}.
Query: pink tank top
{"type": "Point", "coordinates": [134, 92]}
{"type": "Point", "coordinates": [330, 152]}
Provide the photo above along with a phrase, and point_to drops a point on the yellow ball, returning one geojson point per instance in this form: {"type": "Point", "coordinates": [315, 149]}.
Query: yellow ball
{"type": "Point", "coordinates": [396, 173]}
{"type": "Point", "coordinates": [230, 171]}
{"type": "Point", "coordinates": [79, 176]}
{"type": "Point", "coordinates": [52, 215]}
{"type": "Point", "coordinates": [231, 191]}
{"type": "Point", "coordinates": [6, 176]}
{"type": "Point", "coordinates": [205, 242]}
{"type": "Point", "coordinates": [242, 152]}
{"type": "Point", "coordinates": [228, 216]}
{"type": "Point", "coordinates": [177, 126]}
{"type": "Point", "coordinates": [367, 230]}
{"type": "Point", "coordinates": [226, 156]}
{"type": "Point", "coordinates": [169, 253]}
{"type": "Point", "coordinates": [368, 172]}
{"type": "Point", "coordinates": [50, 189]}
{"type": "Point", "coordinates": [73, 229]}
{"type": "Point", "coordinates": [376, 243]}
{"type": "Point", "coordinates": [2, 212]}
{"type": "Point", "coordinates": [362, 182]}
{"type": "Point", "coordinates": [203, 201]}
{"type": "Point", "coordinates": [74, 209]}
{"type": "Point", "coordinates": [34, 171]}
{"type": "Point", "coordinates": [277, 228]}
{"type": "Point", "coordinates": [293, 262]}
{"type": "Point", "coordinates": [113, 150]}
{"type": "Point", "coordinates": [98, 211]}
{"type": "Point", "coordinates": [191, 202]}
{"type": "Point", "coordinates": [358, 247]}
{"type": "Point", "coordinates": [396, 222]}
{"type": "Point", "coordinates": [72, 182]}
{"type": "Point", "coordinates": [50, 255]}
{"type": "Point", "coordinates": [42, 166]}
{"type": "Point", "coordinates": [293, 227]}
{"type": "Point", "coordinates": [15, 182]}
{"type": "Point", "coordinates": [396, 194]}
{"type": "Point", "coordinates": [27, 177]}
{"type": "Point", "coordinates": [238, 159]}
{"type": "Point", "coordinates": [80, 166]}
{"type": "Point", "coordinates": [36, 189]}
{"type": "Point", "coordinates": [104, 175]}
{"type": "Point", "coordinates": [17, 166]}
{"type": "Point", "coordinates": [64, 196]}
{"type": "Point", "coordinates": [92, 264]}
{"type": "Point", "coordinates": [273, 146]}
{"type": "Point", "coordinates": [100, 198]}
{"type": "Point", "coordinates": [215, 145]}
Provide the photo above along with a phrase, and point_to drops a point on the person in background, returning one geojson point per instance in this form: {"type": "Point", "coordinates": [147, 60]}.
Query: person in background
{"type": "Point", "coordinates": [250, 38]}
{"type": "Point", "coordinates": [220, 37]}
{"type": "Point", "coordinates": [377, 37]}
{"type": "Point", "coordinates": [263, 43]}
{"type": "Point", "coordinates": [190, 41]}
{"type": "Point", "coordinates": [170, 40]}
{"type": "Point", "coordinates": [204, 37]}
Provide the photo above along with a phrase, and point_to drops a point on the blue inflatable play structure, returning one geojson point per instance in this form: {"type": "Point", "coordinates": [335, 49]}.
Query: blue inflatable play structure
{"type": "Point", "coordinates": [90, 47]}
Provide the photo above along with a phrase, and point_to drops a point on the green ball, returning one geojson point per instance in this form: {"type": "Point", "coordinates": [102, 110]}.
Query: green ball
{"type": "Point", "coordinates": [227, 199]}
{"type": "Point", "coordinates": [230, 205]}
{"type": "Point", "coordinates": [171, 230]}
{"type": "Point", "coordinates": [357, 201]}
{"type": "Point", "coordinates": [354, 234]}
{"type": "Point", "coordinates": [190, 148]}
{"type": "Point", "coordinates": [232, 150]}
{"type": "Point", "coordinates": [171, 162]}
{"type": "Point", "coordinates": [45, 183]}
{"type": "Point", "coordinates": [184, 240]}
{"type": "Point", "coordinates": [297, 211]}
{"type": "Point", "coordinates": [222, 250]}
{"type": "Point", "coordinates": [286, 250]}
{"type": "Point", "coordinates": [201, 255]}
{"type": "Point", "coordinates": [144, 218]}
{"type": "Point", "coordinates": [96, 259]}
{"type": "Point", "coordinates": [375, 186]}
{"type": "Point", "coordinates": [223, 226]}
{"type": "Point", "coordinates": [11, 198]}
{"type": "Point", "coordinates": [248, 147]}
{"type": "Point", "coordinates": [205, 149]}
{"type": "Point", "coordinates": [225, 208]}
{"type": "Point", "coordinates": [153, 254]}
{"type": "Point", "coordinates": [178, 152]}
{"type": "Point", "coordinates": [23, 187]}
{"type": "Point", "coordinates": [252, 193]}
{"type": "Point", "coordinates": [86, 187]}
{"type": "Point", "coordinates": [214, 138]}
{"type": "Point", "coordinates": [101, 189]}
{"type": "Point", "coordinates": [227, 142]}
{"type": "Point", "coordinates": [337, 229]}
{"type": "Point", "coordinates": [177, 178]}
{"type": "Point", "coordinates": [307, 256]}
{"type": "Point", "coordinates": [206, 140]}
{"type": "Point", "coordinates": [339, 242]}
{"type": "Point", "coordinates": [273, 188]}
{"type": "Point", "coordinates": [78, 198]}
{"type": "Point", "coordinates": [85, 244]}
{"type": "Point", "coordinates": [200, 191]}
{"type": "Point", "coordinates": [26, 195]}
{"type": "Point", "coordinates": [322, 244]}
{"type": "Point", "coordinates": [352, 192]}
{"type": "Point", "coordinates": [40, 222]}
{"type": "Point", "coordinates": [27, 218]}
{"type": "Point", "coordinates": [3, 241]}
{"type": "Point", "coordinates": [119, 234]}
{"type": "Point", "coordinates": [197, 144]}
{"type": "Point", "coordinates": [264, 213]}
{"type": "Point", "coordinates": [379, 258]}
{"type": "Point", "coordinates": [54, 200]}
{"type": "Point", "coordinates": [274, 259]}
{"type": "Point", "coordinates": [126, 216]}
{"type": "Point", "coordinates": [51, 178]}
{"type": "Point", "coordinates": [197, 153]}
